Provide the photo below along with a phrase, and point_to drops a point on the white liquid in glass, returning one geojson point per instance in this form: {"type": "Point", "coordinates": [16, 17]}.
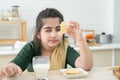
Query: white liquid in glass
{"type": "Point", "coordinates": [41, 70]}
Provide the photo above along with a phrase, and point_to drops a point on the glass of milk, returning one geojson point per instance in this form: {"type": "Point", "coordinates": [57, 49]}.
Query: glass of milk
{"type": "Point", "coordinates": [41, 66]}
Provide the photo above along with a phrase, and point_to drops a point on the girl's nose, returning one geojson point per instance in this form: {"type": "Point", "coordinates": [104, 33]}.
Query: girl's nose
{"type": "Point", "coordinates": [54, 34]}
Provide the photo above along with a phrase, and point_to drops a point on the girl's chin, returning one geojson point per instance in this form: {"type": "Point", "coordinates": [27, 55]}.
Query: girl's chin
{"type": "Point", "coordinates": [53, 45]}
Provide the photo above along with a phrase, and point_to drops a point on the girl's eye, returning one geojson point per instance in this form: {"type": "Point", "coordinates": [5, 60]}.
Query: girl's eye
{"type": "Point", "coordinates": [48, 30]}
{"type": "Point", "coordinates": [58, 29]}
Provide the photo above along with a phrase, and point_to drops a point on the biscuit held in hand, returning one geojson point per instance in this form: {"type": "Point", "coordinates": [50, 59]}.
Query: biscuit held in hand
{"type": "Point", "coordinates": [63, 29]}
{"type": "Point", "coordinates": [73, 71]}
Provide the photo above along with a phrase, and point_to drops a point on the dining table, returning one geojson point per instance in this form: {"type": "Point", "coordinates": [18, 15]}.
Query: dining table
{"type": "Point", "coordinates": [96, 73]}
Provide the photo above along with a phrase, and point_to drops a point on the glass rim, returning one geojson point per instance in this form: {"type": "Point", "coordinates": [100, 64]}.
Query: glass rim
{"type": "Point", "coordinates": [41, 56]}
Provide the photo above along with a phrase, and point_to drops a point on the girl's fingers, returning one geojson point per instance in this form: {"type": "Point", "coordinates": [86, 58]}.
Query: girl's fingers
{"type": "Point", "coordinates": [77, 25]}
{"type": "Point", "coordinates": [18, 70]}
{"type": "Point", "coordinates": [3, 73]}
{"type": "Point", "coordinates": [74, 30]}
{"type": "Point", "coordinates": [72, 24]}
{"type": "Point", "coordinates": [14, 70]}
{"type": "Point", "coordinates": [10, 71]}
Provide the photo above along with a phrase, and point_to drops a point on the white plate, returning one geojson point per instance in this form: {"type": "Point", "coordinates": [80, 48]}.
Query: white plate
{"type": "Point", "coordinates": [83, 74]}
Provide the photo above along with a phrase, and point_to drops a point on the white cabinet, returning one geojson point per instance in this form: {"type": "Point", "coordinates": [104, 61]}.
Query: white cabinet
{"type": "Point", "coordinates": [102, 57]}
{"type": "Point", "coordinates": [106, 55]}
{"type": "Point", "coordinates": [117, 57]}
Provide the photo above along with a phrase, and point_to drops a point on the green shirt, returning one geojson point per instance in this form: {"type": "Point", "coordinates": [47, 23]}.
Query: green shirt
{"type": "Point", "coordinates": [24, 57]}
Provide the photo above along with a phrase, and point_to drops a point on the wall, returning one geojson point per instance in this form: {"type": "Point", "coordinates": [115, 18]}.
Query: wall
{"type": "Point", "coordinates": [91, 14]}
{"type": "Point", "coordinates": [117, 21]}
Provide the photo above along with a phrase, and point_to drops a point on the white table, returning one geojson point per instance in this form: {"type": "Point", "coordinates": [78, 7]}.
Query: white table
{"type": "Point", "coordinates": [97, 73]}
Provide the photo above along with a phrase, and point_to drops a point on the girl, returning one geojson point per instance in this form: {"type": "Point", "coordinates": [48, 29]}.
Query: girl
{"type": "Point", "coordinates": [47, 42]}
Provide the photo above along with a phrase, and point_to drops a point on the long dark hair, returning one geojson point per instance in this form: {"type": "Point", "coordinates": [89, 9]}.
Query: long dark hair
{"type": "Point", "coordinates": [46, 13]}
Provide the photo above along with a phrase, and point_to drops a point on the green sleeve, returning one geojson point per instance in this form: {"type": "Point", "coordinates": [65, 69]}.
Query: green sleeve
{"type": "Point", "coordinates": [24, 57]}
{"type": "Point", "coordinates": [72, 55]}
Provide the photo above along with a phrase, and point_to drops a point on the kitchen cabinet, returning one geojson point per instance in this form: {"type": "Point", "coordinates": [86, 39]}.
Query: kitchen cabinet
{"type": "Point", "coordinates": [117, 57]}
{"type": "Point", "coordinates": [106, 54]}
{"type": "Point", "coordinates": [7, 31]}
{"type": "Point", "coordinates": [102, 57]}
{"type": "Point", "coordinates": [106, 57]}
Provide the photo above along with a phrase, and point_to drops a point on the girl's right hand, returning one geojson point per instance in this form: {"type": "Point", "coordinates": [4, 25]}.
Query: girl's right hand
{"type": "Point", "coordinates": [10, 70]}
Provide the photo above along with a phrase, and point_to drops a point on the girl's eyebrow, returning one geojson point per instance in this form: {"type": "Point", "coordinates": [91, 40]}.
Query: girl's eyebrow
{"type": "Point", "coordinates": [47, 28]}
{"type": "Point", "coordinates": [50, 27]}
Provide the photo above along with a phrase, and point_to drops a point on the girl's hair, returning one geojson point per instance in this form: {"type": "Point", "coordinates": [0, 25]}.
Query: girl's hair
{"type": "Point", "coordinates": [46, 13]}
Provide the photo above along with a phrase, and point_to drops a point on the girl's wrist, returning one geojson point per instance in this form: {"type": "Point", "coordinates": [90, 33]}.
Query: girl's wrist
{"type": "Point", "coordinates": [80, 41]}
{"type": "Point", "coordinates": [79, 38]}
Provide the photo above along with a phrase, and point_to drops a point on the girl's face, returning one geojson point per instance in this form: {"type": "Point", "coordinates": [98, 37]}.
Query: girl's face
{"type": "Point", "coordinates": [49, 33]}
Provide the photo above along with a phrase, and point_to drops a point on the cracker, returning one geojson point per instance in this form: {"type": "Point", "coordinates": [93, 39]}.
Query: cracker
{"type": "Point", "coordinates": [63, 29]}
{"type": "Point", "coordinates": [73, 71]}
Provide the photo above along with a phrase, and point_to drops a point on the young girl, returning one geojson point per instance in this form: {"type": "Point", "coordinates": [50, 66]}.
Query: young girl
{"type": "Point", "coordinates": [47, 42]}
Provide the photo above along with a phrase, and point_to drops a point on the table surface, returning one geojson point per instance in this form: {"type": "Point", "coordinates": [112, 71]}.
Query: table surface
{"type": "Point", "coordinates": [97, 73]}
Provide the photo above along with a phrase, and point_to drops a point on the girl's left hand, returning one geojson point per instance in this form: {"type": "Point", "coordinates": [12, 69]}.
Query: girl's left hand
{"type": "Point", "coordinates": [74, 30]}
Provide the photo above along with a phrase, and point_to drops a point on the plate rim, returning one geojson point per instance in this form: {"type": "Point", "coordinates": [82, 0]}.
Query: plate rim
{"type": "Point", "coordinates": [75, 75]}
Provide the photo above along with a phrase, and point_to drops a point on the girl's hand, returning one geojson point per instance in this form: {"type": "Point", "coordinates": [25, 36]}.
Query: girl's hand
{"type": "Point", "coordinates": [74, 31]}
{"type": "Point", "coordinates": [10, 70]}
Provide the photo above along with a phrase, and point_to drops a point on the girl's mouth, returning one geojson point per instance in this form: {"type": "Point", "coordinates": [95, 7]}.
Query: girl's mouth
{"type": "Point", "coordinates": [53, 41]}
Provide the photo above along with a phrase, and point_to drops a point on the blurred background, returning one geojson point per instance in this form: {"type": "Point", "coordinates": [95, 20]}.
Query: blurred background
{"type": "Point", "coordinates": [98, 18]}
{"type": "Point", "coordinates": [98, 15]}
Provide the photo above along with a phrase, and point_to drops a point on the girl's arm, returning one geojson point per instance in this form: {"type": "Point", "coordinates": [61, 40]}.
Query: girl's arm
{"type": "Point", "coordinates": [85, 60]}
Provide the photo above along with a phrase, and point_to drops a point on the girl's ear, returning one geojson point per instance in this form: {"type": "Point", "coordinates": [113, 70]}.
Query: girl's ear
{"type": "Point", "coordinates": [38, 36]}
